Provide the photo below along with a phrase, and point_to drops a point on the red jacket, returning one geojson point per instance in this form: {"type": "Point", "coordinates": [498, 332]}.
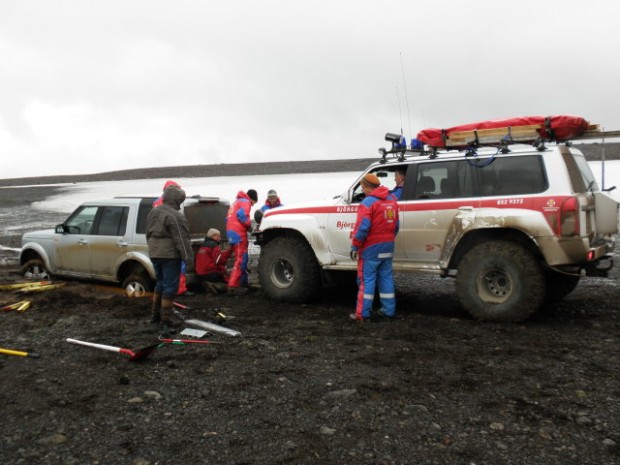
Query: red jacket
{"type": "Point", "coordinates": [238, 221]}
{"type": "Point", "coordinates": [211, 259]}
{"type": "Point", "coordinates": [377, 224]}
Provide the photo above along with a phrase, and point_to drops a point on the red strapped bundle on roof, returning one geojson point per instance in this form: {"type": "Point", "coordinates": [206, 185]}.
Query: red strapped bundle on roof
{"type": "Point", "coordinates": [553, 128]}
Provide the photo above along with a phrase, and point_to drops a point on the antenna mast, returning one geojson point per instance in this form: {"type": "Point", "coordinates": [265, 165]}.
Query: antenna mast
{"type": "Point", "coordinates": [402, 68]}
{"type": "Point", "coordinates": [400, 110]}
{"type": "Point", "coordinates": [603, 160]}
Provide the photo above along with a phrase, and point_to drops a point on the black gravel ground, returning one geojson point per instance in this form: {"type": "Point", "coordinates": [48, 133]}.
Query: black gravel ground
{"type": "Point", "coordinates": [305, 385]}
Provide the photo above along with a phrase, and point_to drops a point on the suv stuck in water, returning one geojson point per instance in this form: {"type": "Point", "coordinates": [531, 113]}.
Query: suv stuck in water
{"type": "Point", "coordinates": [516, 228]}
{"type": "Point", "coordinates": [106, 240]}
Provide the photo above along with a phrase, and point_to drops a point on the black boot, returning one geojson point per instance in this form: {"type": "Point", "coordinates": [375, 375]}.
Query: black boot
{"type": "Point", "coordinates": [168, 324]}
{"type": "Point", "coordinates": [156, 309]}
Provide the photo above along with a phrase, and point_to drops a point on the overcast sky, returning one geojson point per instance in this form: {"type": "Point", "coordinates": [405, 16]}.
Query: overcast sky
{"type": "Point", "coordinates": [92, 86]}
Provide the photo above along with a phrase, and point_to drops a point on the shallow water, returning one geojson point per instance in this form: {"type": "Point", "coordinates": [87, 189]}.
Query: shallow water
{"type": "Point", "coordinates": [16, 221]}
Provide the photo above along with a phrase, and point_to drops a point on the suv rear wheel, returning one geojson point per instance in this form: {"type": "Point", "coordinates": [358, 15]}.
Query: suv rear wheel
{"type": "Point", "coordinates": [288, 270]}
{"type": "Point", "coordinates": [137, 285]}
{"type": "Point", "coordinates": [500, 281]}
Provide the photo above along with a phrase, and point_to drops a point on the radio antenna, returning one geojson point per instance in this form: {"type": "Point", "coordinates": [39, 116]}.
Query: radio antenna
{"type": "Point", "coordinates": [402, 68]}
{"type": "Point", "coordinates": [400, 111]}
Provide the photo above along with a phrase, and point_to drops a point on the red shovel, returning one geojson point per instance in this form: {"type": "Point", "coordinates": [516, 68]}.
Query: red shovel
{"type": "Point", "coordinates": [133, 356]}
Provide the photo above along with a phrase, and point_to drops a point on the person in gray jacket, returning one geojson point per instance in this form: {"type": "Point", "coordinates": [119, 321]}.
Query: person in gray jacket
{"type": "Point", "coordinates": [167, 235]}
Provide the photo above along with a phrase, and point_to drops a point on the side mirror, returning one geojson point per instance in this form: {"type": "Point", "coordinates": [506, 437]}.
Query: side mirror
{"type": "Point", "coordinates": [347, 196]}
{"type": "Point", "coordinates": [60, 229]}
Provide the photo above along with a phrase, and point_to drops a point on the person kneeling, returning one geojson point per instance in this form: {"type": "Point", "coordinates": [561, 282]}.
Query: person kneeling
{"type": "Point", "coordinates": [211, 263]}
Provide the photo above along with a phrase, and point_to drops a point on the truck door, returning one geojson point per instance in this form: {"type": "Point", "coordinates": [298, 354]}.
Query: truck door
{"type": "Point", "coordinates": [340, 224]}
{"type": "Point", "coordinates": [428, 206]}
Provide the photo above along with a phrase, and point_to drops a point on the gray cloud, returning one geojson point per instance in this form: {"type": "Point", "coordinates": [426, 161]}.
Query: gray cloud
{"type": "Point", "coordinates": [100, 86]}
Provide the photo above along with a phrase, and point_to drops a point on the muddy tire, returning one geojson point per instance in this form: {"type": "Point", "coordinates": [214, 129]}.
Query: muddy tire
{"type": "Point", "coordinates": [137, 285]}
{"type": "Point", "coordinates": [500, 281]}
{"type": "Point", "coordinates": [35, 269]}
{"type": "Point", "coordinates": [288, 270]}
{"type": "Point", "coordinates": [559, 285]}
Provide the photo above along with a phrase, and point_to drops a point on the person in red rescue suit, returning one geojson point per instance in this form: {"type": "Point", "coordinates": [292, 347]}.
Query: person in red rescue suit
{"type": "Point", "coordinates": [372, 246]}
{"type": "Point", "coordinates": [211, 263]}
{"type": "Point", "coordinates": [238, 225]}
{"type": "Point", "coordinates": [182, 278]}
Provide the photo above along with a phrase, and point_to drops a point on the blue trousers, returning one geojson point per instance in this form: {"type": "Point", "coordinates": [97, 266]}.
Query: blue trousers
{"type": "Point", "coordinates": [372, 273]}
{"type": "Point", "coordinates": [167, 272]}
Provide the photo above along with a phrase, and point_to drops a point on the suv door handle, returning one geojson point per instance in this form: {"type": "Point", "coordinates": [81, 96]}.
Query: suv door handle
{"type": "Point", "coordinates": [82, 242]}
{"type": "Point", "coordinates": [121, 243]}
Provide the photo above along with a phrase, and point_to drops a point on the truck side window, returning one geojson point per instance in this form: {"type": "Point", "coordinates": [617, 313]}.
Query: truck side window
{"type": "Point", "coordinates": [512, 176]}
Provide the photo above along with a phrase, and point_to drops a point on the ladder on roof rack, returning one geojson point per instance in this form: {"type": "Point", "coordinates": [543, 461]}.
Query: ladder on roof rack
{"type": "Point", "coordinates": [536, 130]}
{"type": "Point", "coordinates": [511, 135]}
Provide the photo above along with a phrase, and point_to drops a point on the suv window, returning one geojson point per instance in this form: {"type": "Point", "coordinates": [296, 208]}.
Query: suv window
{"type": "Point", "coordinates": [82, 221]}
{"type": "Point", "coordinates": [471, 178]}
{"type": "Point", "coordinates": [513, 176]}
{"type": "Point", "coordinates": [113, 221]}
{"type": "Point", "coordinates": [580, 173]}
{"type": "Point", "coordinates": [480, 177]}
{"type": "Point", "coordinates": [146, 205]}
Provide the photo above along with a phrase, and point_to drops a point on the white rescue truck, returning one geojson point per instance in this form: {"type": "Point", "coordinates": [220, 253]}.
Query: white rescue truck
{"type": "Point", "coordinates": [516, 225]}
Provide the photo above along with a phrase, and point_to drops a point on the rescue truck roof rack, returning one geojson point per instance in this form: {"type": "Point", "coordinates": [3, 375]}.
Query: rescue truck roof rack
{"type": "Point", "coordinates": [500, 138]}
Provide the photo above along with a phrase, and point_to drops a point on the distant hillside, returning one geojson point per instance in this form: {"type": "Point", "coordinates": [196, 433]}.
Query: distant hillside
{"type": "Point", "coordinates": [591, 151]}
{"type": "Point", "coordinates": [201, 171]}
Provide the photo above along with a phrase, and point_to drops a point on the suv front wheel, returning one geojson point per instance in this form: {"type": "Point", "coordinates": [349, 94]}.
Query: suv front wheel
{"type": "Point", "coordinates": [35, 269]}
{"type": "Point", "coordinates": [288, 270]}
{"type": "Point", "coordinates": [500, 281]}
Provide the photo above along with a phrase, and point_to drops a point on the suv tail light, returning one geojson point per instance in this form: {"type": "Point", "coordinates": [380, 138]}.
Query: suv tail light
{"type": "Point", "coordinates": [568, 220]}
{"type": "Point", "coordinates": [564, 221]}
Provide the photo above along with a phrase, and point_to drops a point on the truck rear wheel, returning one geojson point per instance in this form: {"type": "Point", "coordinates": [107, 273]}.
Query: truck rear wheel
{"type": "Point", "coordinates": [288, 270]}
{"type": "Point", "coordinates": [500, 281]}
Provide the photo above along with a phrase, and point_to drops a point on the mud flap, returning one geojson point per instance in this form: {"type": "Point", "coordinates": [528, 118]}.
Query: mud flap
{"type": "Point", "coordinates": [599, 268]}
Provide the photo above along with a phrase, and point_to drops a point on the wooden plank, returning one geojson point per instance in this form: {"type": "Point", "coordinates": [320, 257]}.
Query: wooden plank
{"type": "Point", "coordinates": [528, 133]}
{"type": "Point", "coordinates": [494, 136]}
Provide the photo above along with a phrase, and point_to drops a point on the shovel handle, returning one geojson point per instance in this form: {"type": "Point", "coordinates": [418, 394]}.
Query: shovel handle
{"type": "Point", "coordinates": [101, 346]}
{"type": "Point", "coordinates": [184, 307]}
{"type": "Point", "coordinates": [19, 353]}
{"type": "Point", "coordinates": [183, 341]}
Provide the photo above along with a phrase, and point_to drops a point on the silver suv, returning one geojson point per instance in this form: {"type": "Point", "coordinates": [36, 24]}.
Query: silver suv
{"type": "Point", "coordinates": [516, 228]}
{"type": "Point", "coordinates": [105, 240]}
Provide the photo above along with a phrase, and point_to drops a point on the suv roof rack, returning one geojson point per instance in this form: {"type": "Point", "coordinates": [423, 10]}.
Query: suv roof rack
{"type": "Point", "coordinates": [533, 130]}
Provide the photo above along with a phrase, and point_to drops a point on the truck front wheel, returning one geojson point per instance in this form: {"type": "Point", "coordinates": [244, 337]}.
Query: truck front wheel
{"type": "Point", "coordinates": [500, 281]}
{"type": "Point", "coordinates": [288, 270]}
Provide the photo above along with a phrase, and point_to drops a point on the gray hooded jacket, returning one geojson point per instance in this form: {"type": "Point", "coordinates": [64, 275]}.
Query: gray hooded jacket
{"type": "Point", "coordinates": [167, 231]}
